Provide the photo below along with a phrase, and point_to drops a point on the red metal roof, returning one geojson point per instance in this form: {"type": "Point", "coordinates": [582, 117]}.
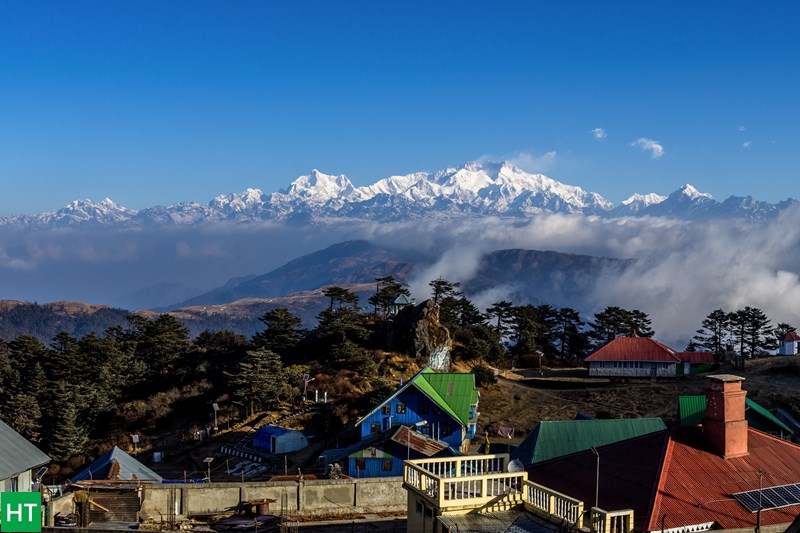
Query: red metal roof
{"type": "Point", "coordinates": [696, 484]}
{"type": "Point", "coordinates": [635, 349]}
{"type": "Point", "coordinates": [792, 336]}
{"type": "Point", "coordinates": [677, 475]}
{"type": "Point", "coordinates": [696, 357]}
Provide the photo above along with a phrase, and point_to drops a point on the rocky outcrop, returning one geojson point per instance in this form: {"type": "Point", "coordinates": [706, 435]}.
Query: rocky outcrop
{"type": "Point", "coordinates": [418, 331]}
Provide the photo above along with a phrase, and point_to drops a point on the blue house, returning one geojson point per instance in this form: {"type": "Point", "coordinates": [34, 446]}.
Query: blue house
{"type": "Point", "coordinates": [443, 406]}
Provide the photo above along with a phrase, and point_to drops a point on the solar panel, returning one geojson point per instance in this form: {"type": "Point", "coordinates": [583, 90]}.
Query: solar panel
{"type": "Point", "coordinates": [770, 497]}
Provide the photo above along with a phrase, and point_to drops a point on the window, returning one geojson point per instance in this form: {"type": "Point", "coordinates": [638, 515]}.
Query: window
{"type": "Point", "coordinates": [424, 408]}
{"type": "Point", "coordinates": [387, 465]}
{"type": "Point", "coordinates": [447, 429]}
{"type": "Point", "coordinates": [428, 512]}
{"type": "Point", "coordinates": [361, 464]}
{"type": "Point", "coordinates": [386, 409]}
{"type": "Point", "coordinates": [419, 507]}
{"type": "Point", "coordinates": [401, 408]}
{"type": "Point", "coordinates": [375, 428]}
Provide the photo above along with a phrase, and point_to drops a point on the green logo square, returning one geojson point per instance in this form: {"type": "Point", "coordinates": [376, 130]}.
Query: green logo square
{"type": "Point", "coordinates": [20, 512]}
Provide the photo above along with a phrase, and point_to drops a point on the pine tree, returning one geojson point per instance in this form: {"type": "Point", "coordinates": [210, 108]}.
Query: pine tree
{"type": "Point", "coordinates": [282, 331]}
{"type": "Point", "coordinates": [441, 288]}
{"type": "Point", "coordinates": [259, 379]}
{"type": "Point", "coordinates": [69, 437]}
{"type": "Point", "coordinates": [713, 332]}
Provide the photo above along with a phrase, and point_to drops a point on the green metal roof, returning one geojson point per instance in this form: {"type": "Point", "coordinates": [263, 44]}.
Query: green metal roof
{"type": "Point", "coordinates": [555, 438]}
{"type": "Point", "coordinates": [454, 392]}
{"type": "Point", "coordinates": [692, 410]}
{"type": "Point", "coordinates": [17, 454]}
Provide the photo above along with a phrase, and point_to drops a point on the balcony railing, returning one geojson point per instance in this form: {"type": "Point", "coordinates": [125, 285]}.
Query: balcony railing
{"type": "Point", "coordinates": [482, 483]}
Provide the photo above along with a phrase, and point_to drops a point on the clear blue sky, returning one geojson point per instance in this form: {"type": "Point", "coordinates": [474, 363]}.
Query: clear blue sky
{"type": "Point", "coordinates": [158, 102]}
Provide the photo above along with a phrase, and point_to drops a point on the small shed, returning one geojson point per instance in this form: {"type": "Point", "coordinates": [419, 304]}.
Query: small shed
{"type": "Point", "coordinates": [277, 440]}
{"type": "Point", "coordinates": [790, 345]}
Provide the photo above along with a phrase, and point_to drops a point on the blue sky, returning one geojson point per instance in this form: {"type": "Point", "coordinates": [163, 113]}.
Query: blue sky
{"type": "Point", "coordinates": [158, 102]}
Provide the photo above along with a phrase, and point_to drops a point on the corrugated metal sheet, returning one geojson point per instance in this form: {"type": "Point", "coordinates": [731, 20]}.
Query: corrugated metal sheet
{"type": "Point", "coordinates": [554, 438]}
{"type": "Point", "coordinates": [629, 474]}
{"type": "Point", "coordinates": [697, 484]}
{"type": "Point", "coordinates": [456, 390]}
{"type": "Point", "coordinates": [635, 349]}
{"type": "Point", "coordinates": [454, 393]}
{"type": "Point", "coordinates": [692, 410]}
{"type": "Point", "coordinates": [17, 455]}
{"type": "Point", "coordinates": [129, 468]}
{"type": "Point", "coordinates": [696, 357]}
{"type": "Point", "coordinates": [418, 442]}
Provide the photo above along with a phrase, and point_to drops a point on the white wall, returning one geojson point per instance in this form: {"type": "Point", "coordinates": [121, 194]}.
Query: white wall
{"type": "Point", "coordinates": [607, 369]}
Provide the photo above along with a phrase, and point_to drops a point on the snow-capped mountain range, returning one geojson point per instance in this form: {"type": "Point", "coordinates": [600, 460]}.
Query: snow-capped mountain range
{"type": "Point", "coordinates": [477, 189]}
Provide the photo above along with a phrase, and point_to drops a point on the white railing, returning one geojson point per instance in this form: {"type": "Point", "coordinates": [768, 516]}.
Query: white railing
{"type": "Point", "coordinates": [552, 503]}
{"type": "Point", "coordinates": [611, 521]}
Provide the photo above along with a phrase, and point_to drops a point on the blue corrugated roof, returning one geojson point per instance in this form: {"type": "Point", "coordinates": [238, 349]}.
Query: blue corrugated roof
{"type": "Point", "coordinates": [263, 437]}
{"type": "Point", "coordinates": [17, 454]}
{"type": "Point", "coordinates": [129, 468]}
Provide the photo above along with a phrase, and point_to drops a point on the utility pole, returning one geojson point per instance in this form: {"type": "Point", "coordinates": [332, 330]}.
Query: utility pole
{"type": "Point", "coordinates": [597, 480]}
{"type": "Point", "coordinates": [758, 512]}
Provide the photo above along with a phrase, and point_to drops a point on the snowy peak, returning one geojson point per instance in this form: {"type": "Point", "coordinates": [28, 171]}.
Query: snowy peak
{"type": "Point", "coordinates": [644, 200]}
{"type": "Point", "coordinates": [238, 202]}
{"type": "Point", "coordinates": [482, 188]}
{"type": "Point", "coordinates": [692, 193]}
{"type": "Point", "coordinates": [320, 187]}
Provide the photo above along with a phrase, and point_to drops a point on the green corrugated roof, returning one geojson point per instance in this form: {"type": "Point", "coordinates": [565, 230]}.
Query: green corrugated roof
{"type": "Point", "coordinates": [555, 438]}
{"type": "Point", "coordinates": [692, 410]}
{"type": "Point", "coordinates": [17, 454]}
{"type": "Point", "coordinates": [453, 392]}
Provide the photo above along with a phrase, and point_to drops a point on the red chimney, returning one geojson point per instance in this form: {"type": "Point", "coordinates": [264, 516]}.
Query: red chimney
{"type": "Point", "coordinates": [724, 425]}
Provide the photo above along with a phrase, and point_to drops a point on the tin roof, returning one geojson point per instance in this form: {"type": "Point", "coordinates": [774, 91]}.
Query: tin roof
{"type": "Point", "coordinates": [697, 485]}
{"type": "Point", "coordinates": [677, 477]}
{"type": "Point", "coordinates": [692, 410]}
{"type": "Point", "coordinates": [554, 438]}
{"type": "Point", "coordinates": [696, 357]}
{"type": "Point", "coordinates": [453, 392]}
{"type": "Point", "coordinates": [629, 473]}
{"type": "Point", "coordinates": [418, 442]}
{"type": "Point", "coordinates": [635, 349]}
{"type": "Point", "coordinates": [115, 464]}
{"type": "Point", "coordinates": [17, 454]}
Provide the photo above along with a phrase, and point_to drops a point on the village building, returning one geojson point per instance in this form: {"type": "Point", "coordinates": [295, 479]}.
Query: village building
{"type": "Point", "coordinates": [790, 344]}
{"type": "Point", "coordinates": [18, 459]}
{"type": "Point", "coordinates": [692, 411]}
{"type": "Point", "coordinates": [643, 357]}
{"type": "Point", "coordinates": [555, 438]}
{"type": "Point", "coordinates": [277, 440]}
{"type": "Point", "coordinates": [690, 478]}
{"type": "Point", "coordinates": [436, 410]}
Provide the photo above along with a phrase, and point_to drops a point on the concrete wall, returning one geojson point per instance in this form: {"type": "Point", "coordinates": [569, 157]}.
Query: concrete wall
{"type": "Point", "coordinates": [329, 496]}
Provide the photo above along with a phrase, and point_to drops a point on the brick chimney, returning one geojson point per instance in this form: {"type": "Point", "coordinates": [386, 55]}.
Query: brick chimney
{"type": "Point", "coordinates": [724, 426]}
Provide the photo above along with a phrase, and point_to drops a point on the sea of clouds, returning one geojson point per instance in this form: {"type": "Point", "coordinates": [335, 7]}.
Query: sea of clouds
{"type": "Point", "coordinates": [683, 270]}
